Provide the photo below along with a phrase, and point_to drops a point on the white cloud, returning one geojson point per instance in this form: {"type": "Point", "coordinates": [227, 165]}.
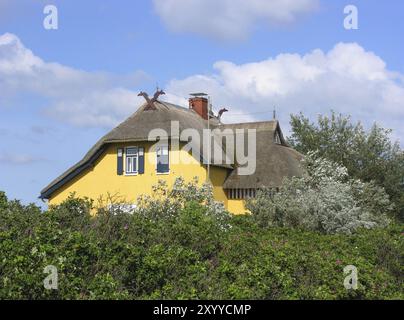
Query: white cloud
{"type": "Point", "coordinates": [17, 159]}
{"type": "Point", "coordinates": [96, 108]}
{"type": "Point", "coordinates": [75, 96]}
{"type": "Point", "coordinates": [228, 19]}
{"type": "Point", "coordinates": [347, 79]}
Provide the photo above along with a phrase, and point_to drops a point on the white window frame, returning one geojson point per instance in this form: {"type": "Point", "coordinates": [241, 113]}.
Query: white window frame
{"type": "Point", "coordinates": [132, 173]}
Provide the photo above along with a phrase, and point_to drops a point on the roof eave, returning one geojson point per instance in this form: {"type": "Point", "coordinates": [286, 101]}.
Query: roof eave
{"type": "Point", "coordinates": [49, 190]}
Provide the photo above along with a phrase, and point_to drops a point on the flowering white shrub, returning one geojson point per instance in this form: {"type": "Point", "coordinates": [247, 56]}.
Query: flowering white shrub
{"type": "Point", "coordinates": [323, 199]}
{"type": "Point", "coordinates": [166, 203]}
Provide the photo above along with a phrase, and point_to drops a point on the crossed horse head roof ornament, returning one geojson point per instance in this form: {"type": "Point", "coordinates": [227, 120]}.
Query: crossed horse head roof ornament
{"type": "Point", "coordinates": [150, 102]}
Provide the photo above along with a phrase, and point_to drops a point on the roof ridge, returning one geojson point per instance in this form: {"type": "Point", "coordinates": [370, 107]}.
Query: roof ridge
{"type": "Point", "coordinates": [251, 122]}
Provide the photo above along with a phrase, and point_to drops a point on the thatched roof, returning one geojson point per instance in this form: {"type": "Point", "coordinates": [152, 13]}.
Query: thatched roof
{"type": "Point", "coordinates": [273, 161]}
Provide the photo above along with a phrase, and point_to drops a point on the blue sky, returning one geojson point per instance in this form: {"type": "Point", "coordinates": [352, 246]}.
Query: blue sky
{"type": "Point", "coordinates": [60, 90]}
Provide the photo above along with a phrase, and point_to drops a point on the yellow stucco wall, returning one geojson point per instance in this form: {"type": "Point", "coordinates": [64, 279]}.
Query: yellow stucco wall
{"type": "Point", "coordinates": [102, 178]}
{"type": "Point", "coordinates": [236, 206]}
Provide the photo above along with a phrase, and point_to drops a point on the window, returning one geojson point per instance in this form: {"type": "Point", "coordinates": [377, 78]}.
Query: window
{"type": "Point", "coordinates": [241, 193]}
{"type": "Point", "coordinates": [162, 159]}
{"type": "Point", "coordinates": [131, 163]}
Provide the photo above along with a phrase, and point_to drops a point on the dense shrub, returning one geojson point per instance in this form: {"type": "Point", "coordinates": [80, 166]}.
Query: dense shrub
{"type": "Point", "coordinates": [197, 251]}
{"type": "Point", "coordinates": [323, 199]}
{"type": "Point", "coordinates": [369, 155]}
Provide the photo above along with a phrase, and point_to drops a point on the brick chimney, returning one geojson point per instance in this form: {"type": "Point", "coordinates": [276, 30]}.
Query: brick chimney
{"type": "Point", "coordinates": [200, 106]}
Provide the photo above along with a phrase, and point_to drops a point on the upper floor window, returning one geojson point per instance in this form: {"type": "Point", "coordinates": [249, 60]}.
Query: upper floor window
{"type": "Point", "coordinates": [162, 159]}
{"type": "Point", "coordinates": [132, 160]}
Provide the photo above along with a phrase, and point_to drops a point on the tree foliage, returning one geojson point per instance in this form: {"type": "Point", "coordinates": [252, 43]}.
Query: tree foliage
{"type": "Point", "coordinates": [194, 250]}
{"type": "Point", "coordinates": [3, 200]}
{"type": "Point", "coordinates": [323, 199]}
{"type": "Point", "coordinates": [368, 155]}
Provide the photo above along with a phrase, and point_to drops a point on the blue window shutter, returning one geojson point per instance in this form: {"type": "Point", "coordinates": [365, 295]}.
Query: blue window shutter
{"type": "Point", "coordinates": [119, 167]}
{"type": "Point", "coordinates": [141, 160]}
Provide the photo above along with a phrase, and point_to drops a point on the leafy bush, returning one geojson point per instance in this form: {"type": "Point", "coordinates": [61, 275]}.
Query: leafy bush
{"type": "Point", "coordinates": [167, 203]}
{"type": "Point", "coordinates": [323, 199]}
{"type": "Point", "coordinates": [197, 251]}
{"type": "Point", "coordinates": [369, 155]}
{"type": "Point", "coordinates": [3, 200]}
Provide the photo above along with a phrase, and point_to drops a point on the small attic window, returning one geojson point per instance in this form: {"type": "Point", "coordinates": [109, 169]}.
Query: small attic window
{"type": "Point", "coordinates": [241, 193]}
{"type": "Point", "coordinates": [277, 138]}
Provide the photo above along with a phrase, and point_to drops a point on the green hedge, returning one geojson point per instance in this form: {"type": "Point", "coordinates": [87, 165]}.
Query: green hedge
{"type": "Point", "coordinates": [187, 255]}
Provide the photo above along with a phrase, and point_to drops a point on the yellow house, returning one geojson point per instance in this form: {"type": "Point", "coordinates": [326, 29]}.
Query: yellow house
{"type": "Point", "coordinates": [154, 144]}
